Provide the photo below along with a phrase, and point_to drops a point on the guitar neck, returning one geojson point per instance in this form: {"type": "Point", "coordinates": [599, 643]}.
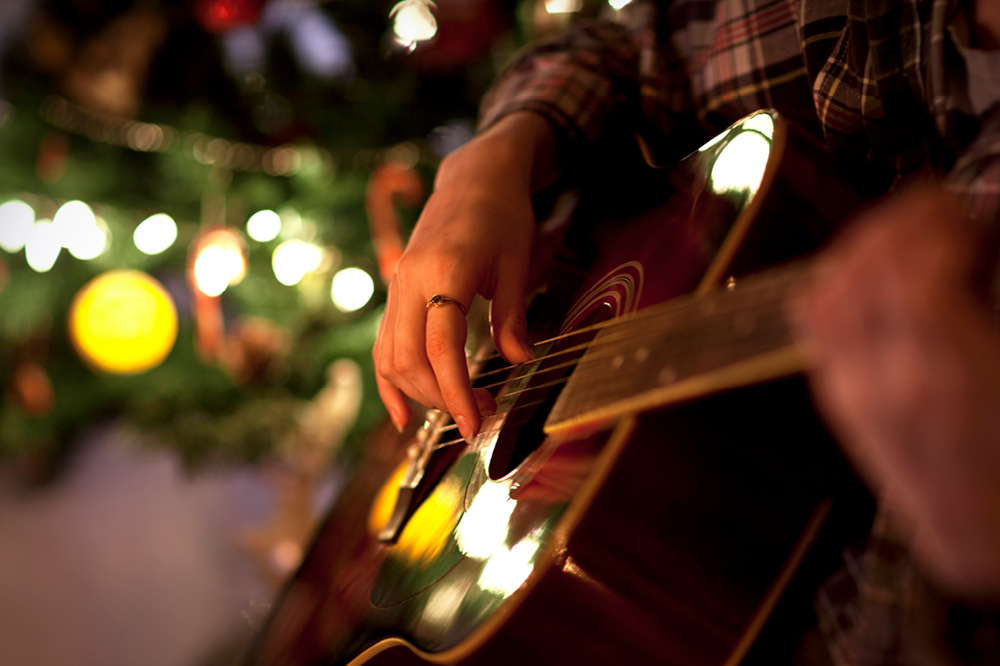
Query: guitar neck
{"type": "Point", "coordinates": [683, 349]}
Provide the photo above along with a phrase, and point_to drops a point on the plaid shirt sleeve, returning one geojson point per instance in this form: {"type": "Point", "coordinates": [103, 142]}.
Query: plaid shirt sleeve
{"type": "Point", "coordinates": [577, 81]}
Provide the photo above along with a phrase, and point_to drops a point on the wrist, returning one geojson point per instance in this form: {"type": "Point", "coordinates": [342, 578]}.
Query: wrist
{"type": "Point", "coordinates": [518, 150]}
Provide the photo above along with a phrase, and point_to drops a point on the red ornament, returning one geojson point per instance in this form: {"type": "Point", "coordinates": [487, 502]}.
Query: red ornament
{"type": "Point", "coordinates": [222, 15]}
{"type": "Point", "coordinates": [32, 389]}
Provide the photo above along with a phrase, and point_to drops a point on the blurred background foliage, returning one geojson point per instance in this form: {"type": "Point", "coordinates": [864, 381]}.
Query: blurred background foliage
{"type": "Point", "coordinates": [209, 111]}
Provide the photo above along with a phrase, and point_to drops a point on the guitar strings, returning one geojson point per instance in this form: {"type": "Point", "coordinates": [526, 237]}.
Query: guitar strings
{"type": "Point", "coordinates": [699, 328]}
{"type": "Point", "coordinates": [678, 354]}
{"type": "Point", "coordinates": [777, 280]}
{"type": "Point", "coordinates": [596, 350]}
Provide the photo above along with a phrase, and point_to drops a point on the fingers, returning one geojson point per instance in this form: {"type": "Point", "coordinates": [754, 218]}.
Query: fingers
{"type": "Point", "coordinates": [445, 345]}
{"type": "Point", "coordinates": [420, 353]}
{"type": "Point", "coordinates": [507, 318]}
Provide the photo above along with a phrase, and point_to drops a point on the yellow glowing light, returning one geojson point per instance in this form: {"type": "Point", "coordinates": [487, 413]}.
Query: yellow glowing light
{"type": "Point", "coordinates": [264, 225]}
{"type": "Point", "coordinates": [155, 234]}
{"type": "Point", "coordinates": [507, 569]}
{"type": "Point", "coordinates": [484, 526]}
{"type": "Point", "coordinates": [563, 6]}
{"type": "Point", "coordinates": [16, 220]}
{"type": "Point", "coordinates": [427, 531]}
{"type": "Point", "coordinates": [352, 288]}
{"type": "Point", "coordinates": [293, 259]}
{"type": "Point", "coordinates": [43, 246]}
{"type": "Point", "coordinates": [413, 21]}
{"type": "Point", "coordinates": [741, 164]}
{"type": "Point", "coordinates": [385, 500]}
{"type": "Point", "coordinates": [123, 322]}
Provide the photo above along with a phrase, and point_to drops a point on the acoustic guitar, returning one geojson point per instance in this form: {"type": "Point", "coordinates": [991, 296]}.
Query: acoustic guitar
{"type": "Point", "coordinates": [648, 487]}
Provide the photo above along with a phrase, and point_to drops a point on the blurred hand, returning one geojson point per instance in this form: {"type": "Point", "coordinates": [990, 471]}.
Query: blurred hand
{"type": "Point", "coordinates": [474, 236]}
{"type": "Point", "coordinates": [906, 369]}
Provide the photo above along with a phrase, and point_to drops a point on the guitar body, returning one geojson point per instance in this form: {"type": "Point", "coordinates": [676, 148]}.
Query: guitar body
{"type": "Point", "coordinates": [630, 524]}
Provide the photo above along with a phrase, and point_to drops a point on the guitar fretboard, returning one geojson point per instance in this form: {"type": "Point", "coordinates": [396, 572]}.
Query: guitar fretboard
{"type": "Point", "coordinates": [684, 348]}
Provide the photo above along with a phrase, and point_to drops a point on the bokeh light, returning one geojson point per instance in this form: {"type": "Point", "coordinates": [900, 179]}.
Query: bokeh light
{"type": "Point", "coordinates": [43, 246]}
{"type": "Point", "coordinates": [123, 322]}
{"type": "Point", "coordinates": [16, 220]}
{"type": "Point", "coordinates": [264, 225]}
{"type": "Point", "coordinates": [90, 242]}
{"type": "Point", "coordinates": [293, 259]}
{"type": "Point", "coordinates": [563, 6]}
{"type": "Point", "coordinates": [413, 22]}
{"type": "Point", "coordinates": [72, 220]}
{"type": "Point", "coordinates": [155, 234]}
{"type": "Point", "coordinates": [215, 269]}
{"type": "Point", "coordinates": [80, 231]}
{"type": "Point", "coordinates": [352, 289]}
{"type": "Point", "coordinates": [220, 261]}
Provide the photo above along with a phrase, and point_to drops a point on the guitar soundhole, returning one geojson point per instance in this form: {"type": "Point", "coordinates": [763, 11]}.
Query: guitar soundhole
{"type": "Point", "coordinates": [522, 432]}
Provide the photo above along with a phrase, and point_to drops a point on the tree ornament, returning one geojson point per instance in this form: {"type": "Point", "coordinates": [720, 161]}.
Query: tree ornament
{"type": "Point", "coordinates": [32, 389]}
{"type": "Point", "coordinates": [123, 322]}
{"type": "Point", "coordinates": [223, 15]}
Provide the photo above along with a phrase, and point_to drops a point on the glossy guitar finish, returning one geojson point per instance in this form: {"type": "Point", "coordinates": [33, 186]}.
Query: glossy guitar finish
{"type": "Point", "coordinates": [642, 526]}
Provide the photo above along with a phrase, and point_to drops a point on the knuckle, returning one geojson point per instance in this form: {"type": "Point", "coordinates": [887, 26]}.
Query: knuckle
{"type": "Point", "coordinates": [439, 344]}
{"type": "Point", "coordinates": [452, 394]}
{"type": "Point", "coordinates": [404, 361]}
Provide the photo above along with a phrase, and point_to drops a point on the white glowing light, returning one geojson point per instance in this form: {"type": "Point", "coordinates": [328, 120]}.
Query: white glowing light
{"type": "Point", "coordinates": [619, 4]}
{"type": "Point", "coordinates": [89, 242]}
{"type": "Point", "coordinates": [741, 164]}
{"type": "Point", "coordinates": [16, 220]}
{"type": "Point", "coordinates": [43, 246]}
{"type": "Point", "coordinates": [714, 141]}
{"type": "Point", "coordinates": [413, 21]}
{"type": "Point", "coordinates": [264, 225]}
{"type": "Point", "coordinates": [217, 267]}
{"type": "Point", "coordinates": [293, 259]}
{"type": "Point", "coordinates": [352, 288]}
{"type": "Point", "coordinates": [563, 6]}
{"type": "Point", "coordinates": [73, 223]}
{"type": "Point", "coordinates": [761, 122]}
{"type": "Point", "coordinates": [507, 569]}
{"type": "Point", "coordinates": [483, 528]}
{"type": "Point", "coordinates": [155, 234]}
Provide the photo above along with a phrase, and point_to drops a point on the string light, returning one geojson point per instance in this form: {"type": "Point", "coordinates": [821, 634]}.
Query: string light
{"type": "Point", "coordinates": [16, 220]}
{"type": "Point", "coordinates": [293, 259]}
{"type": "Point", "coordinates": [220, 261]}
{"type": "Point", "coordinates": [351, 290]}
{"type": "Point", "coordinates": [155, 234]}
{"type": "Point", "coordinates": [91, 241]}
{"type": "Point", "coordinates": [413, 22]}
{"type": "Point", "coordinates": [563, 6]}
{"type": "Point", "coordinates": [264, 225]}
{"type": "Point", "coordinates": [42, 247]}
{"type": "Point", "coordinates": [78, 231]}
{"type": "Point", "coordinates": [148, 137]}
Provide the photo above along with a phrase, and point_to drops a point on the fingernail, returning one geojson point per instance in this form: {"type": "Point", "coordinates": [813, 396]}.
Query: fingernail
{"type": "Point", "coordinates": [464, 427]}
{"type": "Point", "coordinates": [397, 421]}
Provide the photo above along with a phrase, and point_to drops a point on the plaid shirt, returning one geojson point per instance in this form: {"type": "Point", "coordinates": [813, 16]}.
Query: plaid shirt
{"type": "Point", "coordinates": [882, 81]}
